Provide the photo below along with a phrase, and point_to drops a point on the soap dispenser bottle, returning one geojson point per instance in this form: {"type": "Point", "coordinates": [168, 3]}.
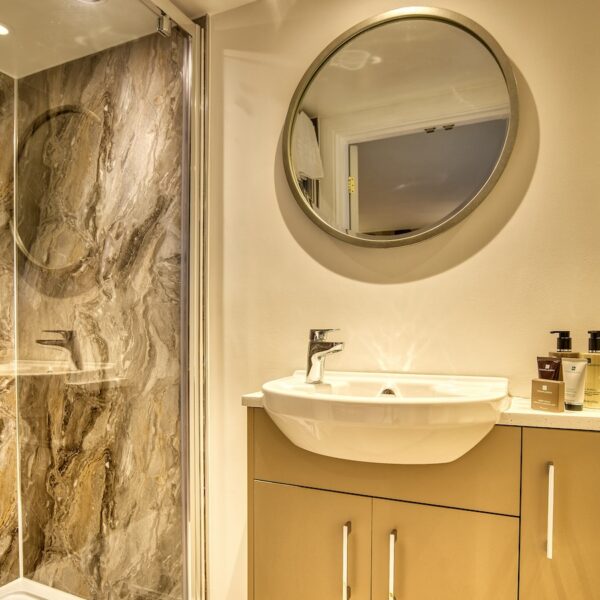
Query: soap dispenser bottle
{"type": "Point", "coordinates": [592, 375]}
{"type": "Point", "coordinates": [564, 347]}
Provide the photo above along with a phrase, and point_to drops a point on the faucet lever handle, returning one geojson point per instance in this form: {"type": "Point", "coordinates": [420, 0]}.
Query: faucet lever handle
{"type": "Point", "coordinates": [319, 335]}
{"type": "Point", "coordinates": [65, 333]}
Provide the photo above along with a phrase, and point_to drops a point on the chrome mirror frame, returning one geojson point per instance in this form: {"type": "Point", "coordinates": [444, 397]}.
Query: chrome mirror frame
{"type": "Point", "coordinates": [420, 12]}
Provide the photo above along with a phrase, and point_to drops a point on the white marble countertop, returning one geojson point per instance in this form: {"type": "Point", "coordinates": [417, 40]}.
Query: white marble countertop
{"type": "Point", "coordinates": [521, 414]}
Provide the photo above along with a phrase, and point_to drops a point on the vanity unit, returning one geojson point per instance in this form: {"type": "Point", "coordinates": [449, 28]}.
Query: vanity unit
{"type": "Point", "coordinates": [515, 517]}
{"type": "Point", "coordinates": [407, 487]}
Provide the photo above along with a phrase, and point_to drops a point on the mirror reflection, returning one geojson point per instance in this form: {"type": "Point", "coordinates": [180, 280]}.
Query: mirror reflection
{"type": "Point", "coordinates": [399, 130]}
{"type": "Point", "coordinates": [57, 182]}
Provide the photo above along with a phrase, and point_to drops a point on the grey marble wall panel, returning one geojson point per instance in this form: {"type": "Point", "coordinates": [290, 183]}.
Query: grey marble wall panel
{"type": "Point", "coordinates": [9, 547]}
{"type": "Point", "coordinates": [99, 213]}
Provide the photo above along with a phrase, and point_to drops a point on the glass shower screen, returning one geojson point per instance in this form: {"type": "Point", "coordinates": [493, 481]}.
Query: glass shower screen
{"type": "Point", "coordinates": [94, 247]}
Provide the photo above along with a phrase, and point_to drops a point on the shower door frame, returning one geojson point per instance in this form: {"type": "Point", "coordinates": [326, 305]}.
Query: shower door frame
{"type": "Point", "coordinates": [195, 521]}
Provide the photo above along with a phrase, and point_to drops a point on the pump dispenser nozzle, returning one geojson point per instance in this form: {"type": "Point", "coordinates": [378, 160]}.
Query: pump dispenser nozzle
{"type": "Point", "coordinates": [563, 341]}
{"type": "Point", "coordinates": [594, 341]}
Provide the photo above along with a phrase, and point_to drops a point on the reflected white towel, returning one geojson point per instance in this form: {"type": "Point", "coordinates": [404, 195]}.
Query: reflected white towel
{"type": "Point", "coordinates": [305, 149]}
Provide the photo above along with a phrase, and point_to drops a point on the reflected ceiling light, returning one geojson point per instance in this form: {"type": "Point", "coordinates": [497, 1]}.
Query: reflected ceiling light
{"type": "Point", "coordinates": [354, 60]}
{"type": "Point", "coordinates": [4, 30]}
{"type": "Point", "coordinates": [92, 1]}
{"type": "Point", "coordinates": [351, 60]}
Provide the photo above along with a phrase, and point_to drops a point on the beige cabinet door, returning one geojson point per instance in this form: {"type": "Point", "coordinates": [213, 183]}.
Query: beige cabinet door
{"type": "Point", "coordinates": [573, 571]}
{"type": "Point", "coordinates": [298, 543]}
{"type": "Point", "coordinates": [433, 553]}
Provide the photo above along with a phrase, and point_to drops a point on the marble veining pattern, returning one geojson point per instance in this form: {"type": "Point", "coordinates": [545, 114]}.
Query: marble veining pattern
{"type": "Point", "coordinates": [99, 214]}
{"type": "Point", "coordinates": [9, 547]}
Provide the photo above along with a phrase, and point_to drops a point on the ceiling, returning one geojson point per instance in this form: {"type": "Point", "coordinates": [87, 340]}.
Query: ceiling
{"type": "Point", "coordinates": [52, 32]}
{"type": "Point", "coordinates": [402, 61]}
{"type": "Point", "coordinates": [197, 8]}
{"type": "Point", "coordinates": [46, 33]}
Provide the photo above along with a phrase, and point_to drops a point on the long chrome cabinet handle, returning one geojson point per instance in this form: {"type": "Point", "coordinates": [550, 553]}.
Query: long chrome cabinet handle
{"type": "Point", "coordinates": [345, 541]}
{"type": "Point", "coordinates": [550, 526]}
{"type": "Point", "coordinates": [392, 567]}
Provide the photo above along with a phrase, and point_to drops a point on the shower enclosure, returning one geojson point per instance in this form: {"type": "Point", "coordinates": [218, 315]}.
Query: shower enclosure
{"type": "Point", "coordinates": [101, 253]}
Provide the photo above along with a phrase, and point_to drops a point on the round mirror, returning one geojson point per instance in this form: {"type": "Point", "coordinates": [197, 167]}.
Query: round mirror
{"type": "Point", "coordinates": [401, 127]}
{"type": "Point", "coordinates": [58, 188]}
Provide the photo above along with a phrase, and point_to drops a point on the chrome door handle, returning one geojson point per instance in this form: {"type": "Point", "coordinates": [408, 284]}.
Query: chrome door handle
{"type": "Point", "coordinates": [550, 524]}
{"type": "Point", "coordinates": [345, 542]}
{"type": "Point", "coordinates": [392, 567]}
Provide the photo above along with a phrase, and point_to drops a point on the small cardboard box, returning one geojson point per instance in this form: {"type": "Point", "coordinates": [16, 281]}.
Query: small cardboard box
{"type": "Point", "coordinates": [548, 395]}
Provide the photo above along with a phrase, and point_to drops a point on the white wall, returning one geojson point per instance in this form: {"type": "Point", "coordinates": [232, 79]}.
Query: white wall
{"type": "Point", "coordinates": [477, 299]}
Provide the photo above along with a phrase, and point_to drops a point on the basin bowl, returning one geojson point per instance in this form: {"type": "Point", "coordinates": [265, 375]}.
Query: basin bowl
{"type": "Point", "coordinates": [387, 417]}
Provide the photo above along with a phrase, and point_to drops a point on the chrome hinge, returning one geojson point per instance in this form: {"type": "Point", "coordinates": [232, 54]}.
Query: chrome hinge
{"type": "Point", "coordinates": [163, 25]}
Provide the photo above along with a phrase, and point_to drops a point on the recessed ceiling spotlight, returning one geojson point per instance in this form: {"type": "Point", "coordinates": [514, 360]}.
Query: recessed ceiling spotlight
{"type": "Point", "coordinates": [4, 30]}
{"type": "Point", "coordinates": [92, 1]}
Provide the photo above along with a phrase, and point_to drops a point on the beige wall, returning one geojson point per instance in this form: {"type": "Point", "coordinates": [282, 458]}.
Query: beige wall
{"type": "Point", "coordinates": [478, 299]}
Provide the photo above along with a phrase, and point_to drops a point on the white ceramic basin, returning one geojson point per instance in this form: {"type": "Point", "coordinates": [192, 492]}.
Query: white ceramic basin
{"type": "Point", "coordinates": [428, 418]}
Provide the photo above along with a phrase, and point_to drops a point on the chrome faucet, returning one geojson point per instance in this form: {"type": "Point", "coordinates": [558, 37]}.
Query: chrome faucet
{"type": "Point", "coordinates": [318, 349]}
{"type": "Point", "coordinates": [68, 341]}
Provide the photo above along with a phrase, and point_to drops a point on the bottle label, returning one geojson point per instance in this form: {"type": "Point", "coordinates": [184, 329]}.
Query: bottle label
{"type": "Point", "coordinates": [592, 388]}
